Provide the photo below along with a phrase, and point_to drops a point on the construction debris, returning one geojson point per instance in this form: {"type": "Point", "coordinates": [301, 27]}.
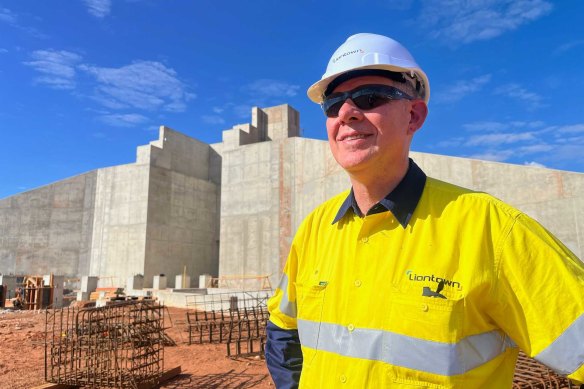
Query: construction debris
{"type": "Point", "coordinates": [36, 294]}
{"type": "Point", "coordinates": [116, 346]}
{"type": "Point", "coordinates": [31, 292]}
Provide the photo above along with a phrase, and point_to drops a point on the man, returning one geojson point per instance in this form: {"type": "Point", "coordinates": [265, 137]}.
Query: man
{"type": "Point", "coordinates": [406, 281]}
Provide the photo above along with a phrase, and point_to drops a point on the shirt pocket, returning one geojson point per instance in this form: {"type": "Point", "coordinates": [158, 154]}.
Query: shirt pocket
{"type": "Point", "coordinates": [425, 331]}
{"type": "Point", "coordinates": [427, 318]}
{"type": "Point", "coordinates": [310, 301]}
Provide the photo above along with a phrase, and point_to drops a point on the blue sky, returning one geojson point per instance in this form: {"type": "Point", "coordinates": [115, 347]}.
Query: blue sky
{"type": "Point", "coordinates": [84, 82]}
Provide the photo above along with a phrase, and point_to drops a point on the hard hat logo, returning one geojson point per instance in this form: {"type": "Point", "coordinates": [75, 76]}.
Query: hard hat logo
{"type": "Point", "coordinates": [358, 51]}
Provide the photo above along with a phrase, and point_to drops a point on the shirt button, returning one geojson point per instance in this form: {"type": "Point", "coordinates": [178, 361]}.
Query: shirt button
{"type": "Point", "coordinates": [351, 327]}
{"type": "Point", "coordinates": [365, 239]}
{"type": "Point", "coordinates": [425, 307]}
{"type": "Point", "coordinates": [357, 283]}
{"type": "Point", "coordinates": [343, 379]}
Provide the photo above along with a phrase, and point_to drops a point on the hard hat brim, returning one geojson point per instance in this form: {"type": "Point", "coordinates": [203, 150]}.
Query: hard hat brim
{"type": "Point", "coordinates": [316, 91]}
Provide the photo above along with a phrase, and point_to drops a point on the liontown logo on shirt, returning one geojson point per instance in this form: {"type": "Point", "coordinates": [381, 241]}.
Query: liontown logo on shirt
{"type": "Point", "coordinates": [421, 278]}
{"type": "Point", "coordinates": [430, 293]}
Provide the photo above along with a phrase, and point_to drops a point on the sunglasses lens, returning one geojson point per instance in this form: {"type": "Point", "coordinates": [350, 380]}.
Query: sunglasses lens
{"type": "Point", "coordinates": [333, 110]}
{"type": "Point", "coordinates": [366, 98]}
{"type": "Point", "coordinates": [369, 101]}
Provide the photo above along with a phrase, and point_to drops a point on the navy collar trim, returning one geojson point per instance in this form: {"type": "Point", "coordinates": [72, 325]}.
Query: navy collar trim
{"type": "Point", "coordinates": [401, 201]}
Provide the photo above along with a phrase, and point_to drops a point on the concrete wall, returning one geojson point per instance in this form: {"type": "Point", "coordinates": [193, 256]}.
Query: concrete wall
{"type": "Point", "coordinates": [256, 194]}
{"type": "Point", "coordinates": [154, 216]}
{"type": "Point", "coordinates": [282, 122]}
{"type": "Point", "coordinates": [273, 123]}
{"type": "Point", "coordinates": [276, 184]}
{"type": "Point", "coordinates": [48, 229]}
{"type": "Point", "coordinates": [119, 228]}
{"type": "Point", "coordinates": [183, 208]}
{"type": "Point", "coordinates": [250, 210]}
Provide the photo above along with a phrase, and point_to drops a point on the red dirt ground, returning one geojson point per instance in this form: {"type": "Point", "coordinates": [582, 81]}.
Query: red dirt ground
{"type": "Point", "coordinates": [203, 366]}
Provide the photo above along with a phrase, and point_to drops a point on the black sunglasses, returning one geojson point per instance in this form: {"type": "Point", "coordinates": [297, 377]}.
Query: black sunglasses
{"type": "Point", "coordinates": [365, 97]}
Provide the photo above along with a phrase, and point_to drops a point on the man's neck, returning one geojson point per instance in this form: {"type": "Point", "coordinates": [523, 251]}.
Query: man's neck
{"type": "Point", "coordinates": [371, 188]}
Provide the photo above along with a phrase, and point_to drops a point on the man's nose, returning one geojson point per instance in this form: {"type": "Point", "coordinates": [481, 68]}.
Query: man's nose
{"type": "Point", "coordinates": [349, 112]}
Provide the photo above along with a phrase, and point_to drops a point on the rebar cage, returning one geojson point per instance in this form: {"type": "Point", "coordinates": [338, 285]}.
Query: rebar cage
{"type": "Point", "coordinates": [236, 318]}
{"type": "Point", "coordinates": [116, 346]}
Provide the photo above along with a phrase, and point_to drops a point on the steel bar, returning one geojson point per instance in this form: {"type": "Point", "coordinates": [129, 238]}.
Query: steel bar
{"type": "Point", "coordinates": [116, 346]}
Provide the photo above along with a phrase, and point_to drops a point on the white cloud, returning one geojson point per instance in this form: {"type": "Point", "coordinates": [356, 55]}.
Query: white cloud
{"type": "Point", "coordinates": [533, 124]}
{"type": "Point", "coordinates": [568, 154]}
{"type": "Point", "coordinates": [265, 88]}
{"type": "Point", "coordinates": [493, 155]}
{"type": "Point", "coordinates": [57, 68]}
{"type": "Point", "coordinates": [571, 129]}
{"type": "Point", "coordinates": [242, 110]}
{"type": "Point", "coordinates": [535, 149]}
{"type": "Point", "coordinates": [218, 110]}
{"type": "Point", "coordinates": [462, 88]}
{"type": "Point", "coordinates": [454, 142]}
{"type": "Point", "coordinates": [550, 146]}
{"type": "Point", "coordinates": [464, 21]}
{"type": "Point", "coordinates": [499, 139]}
{"type": "Point", "coordinates": [213, 119]}
{"type": "Point", "coordinates": [515, 91]}
{"type": "Point", "coordinates": [98, 8]}
{"type": "Point", "coordinates": [3, 51]}
{"type": "Point", "coordinates": [485, 126]}
{"type": "Point", "coordinates": [8, 16]}
{"type": "Point", "coordinates": [533, 164]}
{"type": "Point", "coordinates": [123, 120]}
{"type": "Point", "coordinates": [489, 126]}
{"type": "Point", "coordinates": [568, 46]}
{"type": "Point", "coordinates": [144, 85]}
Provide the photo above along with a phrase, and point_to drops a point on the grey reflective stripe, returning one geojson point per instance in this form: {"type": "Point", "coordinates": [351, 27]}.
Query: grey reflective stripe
{"type": "Point", "coordinates": [566, 354]}
{"type": "Point", "coordinates": [286, 307]}
{"type": "Point", "coordinates": [445, 359]}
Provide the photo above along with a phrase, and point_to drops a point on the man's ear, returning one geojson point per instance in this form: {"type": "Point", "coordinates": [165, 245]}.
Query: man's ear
{"type": "Point", "coordinates": [418, 114]}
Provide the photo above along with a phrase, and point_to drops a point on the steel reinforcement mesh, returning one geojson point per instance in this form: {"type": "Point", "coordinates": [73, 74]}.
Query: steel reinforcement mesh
{"type": "Point", "coordinates": [116, 346]}
{"type": "Point", "coordinates": [531, 374]}
{"type": "Point", "coordinates": [237, 319]}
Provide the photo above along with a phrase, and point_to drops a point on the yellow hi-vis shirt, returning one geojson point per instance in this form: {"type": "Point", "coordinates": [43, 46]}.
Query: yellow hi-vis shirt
{"type": "Point", "coordinates": [442, 302]}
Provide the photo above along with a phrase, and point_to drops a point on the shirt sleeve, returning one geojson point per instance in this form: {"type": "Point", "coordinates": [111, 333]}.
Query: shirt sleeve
{"type": "Point", "coordinates": [540, 297]}
{"type": "Point", "coordinates": [283, 350]}
{"type": "Point", "coordinates": [283, 356]}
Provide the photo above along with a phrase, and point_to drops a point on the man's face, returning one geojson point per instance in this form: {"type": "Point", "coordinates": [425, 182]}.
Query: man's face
{"type": "Point", "coordinates": [377, 139]}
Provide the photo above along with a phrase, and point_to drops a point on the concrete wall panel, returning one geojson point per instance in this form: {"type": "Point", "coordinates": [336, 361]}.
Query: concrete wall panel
{"type": "Point", "coordinates": [45, 229]}
{"type": "Point", "coordinates": [183, 206]}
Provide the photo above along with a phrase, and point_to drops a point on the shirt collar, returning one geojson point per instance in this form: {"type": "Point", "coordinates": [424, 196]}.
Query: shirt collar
{"type": "Point", "coordinates": [401, 201]}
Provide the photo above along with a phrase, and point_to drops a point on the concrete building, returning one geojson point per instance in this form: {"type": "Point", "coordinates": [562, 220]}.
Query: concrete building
{"type": "Point", "coordinates": [229, 209]}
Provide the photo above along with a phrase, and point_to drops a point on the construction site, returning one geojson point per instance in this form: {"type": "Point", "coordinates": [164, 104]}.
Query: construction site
{"type": "Point", "coordinates": [157, 273]}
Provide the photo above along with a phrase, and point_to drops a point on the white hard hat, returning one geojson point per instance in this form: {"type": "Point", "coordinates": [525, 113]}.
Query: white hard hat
{"type": "Point", "coordinates": [375, 52]}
